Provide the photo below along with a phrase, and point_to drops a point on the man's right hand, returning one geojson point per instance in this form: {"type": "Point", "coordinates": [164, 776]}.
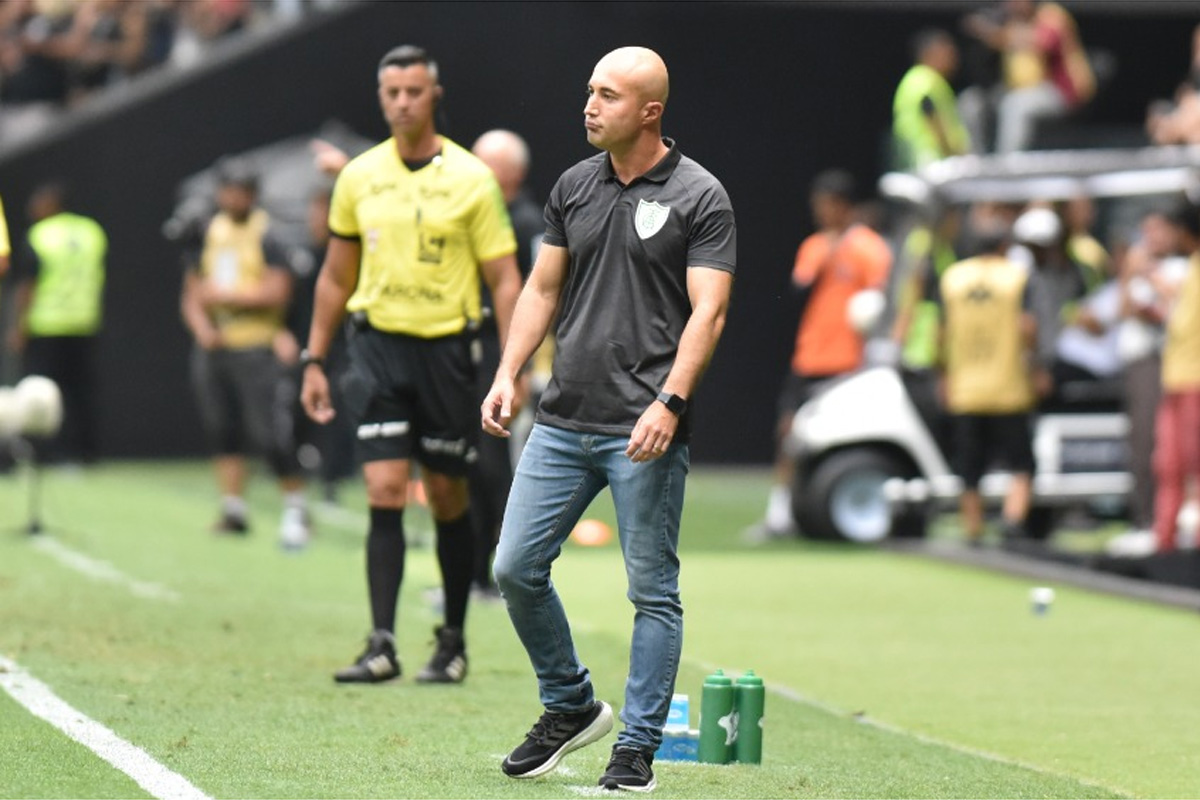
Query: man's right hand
{"type": "Point", "coordinates": [314, 395]}
{"type": "Point", "coordinates": [497, 408]}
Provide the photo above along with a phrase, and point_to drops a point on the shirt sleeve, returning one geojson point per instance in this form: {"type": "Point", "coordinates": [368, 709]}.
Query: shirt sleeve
{"type": "Point", "coordinates": [809, 257]}
{"type": "Point", "coordinates": [556, 233]}
{"type": "Point", "coordinates": [712, 240]}
{"type": "Point", "coordinates": [491, 229]}
{"type": "Point", "coordinates": [343, 219]}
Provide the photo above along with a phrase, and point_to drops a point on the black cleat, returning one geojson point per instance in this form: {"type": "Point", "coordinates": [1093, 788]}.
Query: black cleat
{"type": "Point", "coordinates": [629, 769]}
{"type": "Point", "coordinates": [376, 664]}
{"type": "Point", "coordinates": [553, 736]}
{"type": "Point", "coordinates": [449, 661]}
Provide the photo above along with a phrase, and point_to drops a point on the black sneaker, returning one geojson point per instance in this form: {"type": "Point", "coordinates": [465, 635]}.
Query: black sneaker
{"type": "Point", "coordinates": [553, 736]}
{"type": "Point", "coordinates": [629, 769]}
{"type": "Point", "coordinates": [449, 661]}
{"type": "Point", "coordinates": [231, 524]}
{"type": "Point", "coordinates": [377, 663]}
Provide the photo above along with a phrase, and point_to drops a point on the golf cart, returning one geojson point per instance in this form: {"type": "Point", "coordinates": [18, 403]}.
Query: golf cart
{"type": "Point", "coordinates": [870, 449]}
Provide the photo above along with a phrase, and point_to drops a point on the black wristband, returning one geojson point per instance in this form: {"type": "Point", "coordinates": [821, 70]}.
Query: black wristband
{"type": "Point", "coordinates": [307, 358]}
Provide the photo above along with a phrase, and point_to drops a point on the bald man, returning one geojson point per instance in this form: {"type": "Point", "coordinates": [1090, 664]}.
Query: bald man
{"type": "Point", "coordinates": [636, 265]}
{"type": "Point", "coordinates": [507, 155]}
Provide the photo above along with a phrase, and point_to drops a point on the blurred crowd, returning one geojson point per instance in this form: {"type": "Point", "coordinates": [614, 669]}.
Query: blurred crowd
{"type": "Point", "coordinates": [55, 53]}
{"type": "Point", "coordinates": [1003, 310]}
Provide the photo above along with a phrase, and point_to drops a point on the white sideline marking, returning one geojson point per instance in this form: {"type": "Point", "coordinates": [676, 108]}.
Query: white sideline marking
{"type": "Point", "coordinates": [41, 701]}
{"type": "Point", "coordinates": [798, 697]}
{"type": "Point", "coordinates": [102, 570]}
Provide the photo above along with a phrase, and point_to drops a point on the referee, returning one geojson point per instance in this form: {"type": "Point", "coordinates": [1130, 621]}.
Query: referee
{"type": "Point", "coordinates": [415, 221]}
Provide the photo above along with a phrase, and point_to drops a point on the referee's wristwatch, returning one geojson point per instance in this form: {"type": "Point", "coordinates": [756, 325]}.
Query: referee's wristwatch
{"type": "Point", "coordinates": [307, 357]}
{"type": "Point", "coordinates": [674, 403]}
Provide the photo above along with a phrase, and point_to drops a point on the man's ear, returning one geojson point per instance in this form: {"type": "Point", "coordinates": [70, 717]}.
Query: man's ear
{"type": "Point", "coordinates": [437, 95]}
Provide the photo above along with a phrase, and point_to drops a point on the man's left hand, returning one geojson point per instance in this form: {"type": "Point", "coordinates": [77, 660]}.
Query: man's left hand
{"type": "Point", "coordinates": [653, 434]}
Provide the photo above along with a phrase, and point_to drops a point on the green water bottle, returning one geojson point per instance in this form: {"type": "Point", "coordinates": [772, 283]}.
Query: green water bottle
{"type": "Point", "coordinates": [749, 698]}
{"type": "Point", "coordinates": [718, 721]}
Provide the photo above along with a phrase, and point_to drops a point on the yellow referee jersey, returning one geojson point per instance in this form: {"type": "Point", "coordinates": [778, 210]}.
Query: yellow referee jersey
{"type": "Point", "coordinates": [423, 236]}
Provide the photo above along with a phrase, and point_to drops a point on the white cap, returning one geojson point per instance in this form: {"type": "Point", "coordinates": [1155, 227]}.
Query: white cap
{"type": "Point", "coordinates": [1038, 226]}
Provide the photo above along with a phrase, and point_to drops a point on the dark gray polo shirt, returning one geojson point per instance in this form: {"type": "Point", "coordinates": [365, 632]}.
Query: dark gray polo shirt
{"type": "Point", "coordinates": [625, 302]}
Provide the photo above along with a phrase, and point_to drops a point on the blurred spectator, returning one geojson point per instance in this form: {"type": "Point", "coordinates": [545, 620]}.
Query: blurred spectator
{"type": "Point", "coordinates": [233, 301]}
{"type": "Point", "coordinates": [1056, 284]}
{"type": "Point", "coordinates": [202, 22]}
{"type": "Point", "coordinates": [326, 449]}
{"type": "Point", "coordinates": [1177, 121]}
{"type": "Point", "coordinates": [981, 221]}
{"type": "Point", "coordinates": [59, 309]}
{"type": "Point", "coordinates": [1087, 346]}
{"type": "Point", "coordinates": [56, 52]}
{"type": "Point", "coordinates": [5, 244]}
{"type": "Point", "coordinates": [988, 336]}
{"type": "Point", "coordinates": [1177, 426]}
{"type": "Point", "coordinates": [841, 259]}
{"type": "Point", "coordinates": [37, 43]}
{"type": "Point", "coordinates": [110, 44]}
{"type": "Point", "coordinates": [5, 261]}
{"type": "Point", "coordinates": [927, 251]}
{"type": "Point", "coordinates": [1046, 71]}
{"type": "Point", "coordinates": [507, 155]}
{"type": "Point", "coordinates": [1150, 274]}
{"type": "Point", "coordinates": [925, 122]}
{"type": "Point", "coordinates": [1079, 216]}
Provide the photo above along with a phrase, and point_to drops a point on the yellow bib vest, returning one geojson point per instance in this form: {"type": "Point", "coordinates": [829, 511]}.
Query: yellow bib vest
{"type": "Point", "coordinates": [233, 259]}
{"type": "Point", "coordinates": [70, 251]}
{"type": "Point", "coordinates": [985, 357]}
{"type": "Point", "coordinates": [1181, 351]}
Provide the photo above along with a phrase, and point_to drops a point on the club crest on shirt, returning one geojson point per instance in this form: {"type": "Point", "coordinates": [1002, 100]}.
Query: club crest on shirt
{"type": "Point", "coordinates": [650, 218]}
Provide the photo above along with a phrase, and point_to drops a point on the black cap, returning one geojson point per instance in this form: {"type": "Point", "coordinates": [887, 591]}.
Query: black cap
{"type": "Point", "coordinates": [235, 171]}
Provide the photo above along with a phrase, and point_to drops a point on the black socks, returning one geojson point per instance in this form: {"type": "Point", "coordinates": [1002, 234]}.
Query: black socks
{"type": "Point", "coordinates": [385, 565]}
{"type": "Point", "coordinates": [456, 556]}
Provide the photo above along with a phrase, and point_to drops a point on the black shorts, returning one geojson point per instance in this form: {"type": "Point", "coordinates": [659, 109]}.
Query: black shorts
{"type": "Point", "coordinates": [413, 398]}
{"type": "Point", "coordinates": [238, 393]}
{"type": "Point", "coordinates": [798, 390]}
{"type": "Point", "coordinates": [983, 439]}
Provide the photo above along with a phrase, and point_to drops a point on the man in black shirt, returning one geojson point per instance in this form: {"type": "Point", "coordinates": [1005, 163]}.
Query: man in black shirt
{"type": "Point", "coordinates": [636, 265]}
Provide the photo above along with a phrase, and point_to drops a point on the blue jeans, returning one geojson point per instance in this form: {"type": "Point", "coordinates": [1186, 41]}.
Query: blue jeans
{"type": "Point", "coordinates": [559, 474]}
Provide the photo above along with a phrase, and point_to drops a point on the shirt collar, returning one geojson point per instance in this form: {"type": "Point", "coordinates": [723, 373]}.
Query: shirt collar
{"type": "Point", "coordinates": [657, 174]}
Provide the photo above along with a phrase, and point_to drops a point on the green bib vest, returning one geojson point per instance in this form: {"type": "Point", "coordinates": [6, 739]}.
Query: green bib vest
{"type": "Point", "coordinates": [68, 298]}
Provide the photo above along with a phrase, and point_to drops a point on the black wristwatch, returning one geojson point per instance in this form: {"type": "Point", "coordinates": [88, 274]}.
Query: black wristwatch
{"type": "Point", "coordinates": [674, 403]}
{"type": "Point", "coordinates": [307, 358]}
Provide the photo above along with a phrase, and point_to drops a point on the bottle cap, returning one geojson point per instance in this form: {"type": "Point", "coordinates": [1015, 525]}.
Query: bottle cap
{"type": "Point", "coordinates": [718, 678]}
{"type": "Point", "coordinates": [748, 678]}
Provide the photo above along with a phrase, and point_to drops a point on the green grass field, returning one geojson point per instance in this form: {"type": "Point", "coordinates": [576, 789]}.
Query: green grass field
{"type": "Point", "coordinates": [889, 675]}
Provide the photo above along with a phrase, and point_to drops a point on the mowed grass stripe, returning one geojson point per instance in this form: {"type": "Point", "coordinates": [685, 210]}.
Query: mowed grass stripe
{"type": "Point", "coordinates": [232, 688]}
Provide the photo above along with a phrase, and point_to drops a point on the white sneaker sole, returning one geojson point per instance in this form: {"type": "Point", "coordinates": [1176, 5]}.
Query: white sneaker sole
{"type": "Point", "coordinates": [600, 726]}
{"type": "Point", "coordinates": [649, 787]}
